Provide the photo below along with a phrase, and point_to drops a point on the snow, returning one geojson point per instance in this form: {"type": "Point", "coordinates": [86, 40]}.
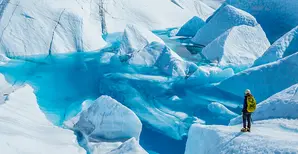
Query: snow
{"type": "Point", "coordinates": [161, 56]}
{"type": "Point", "coordinates": [225, 18]}
{"type": "Point", "coordinates": [275, 16]}
{"type": "Point", "coordinates": [284, 46]}
{"type": "Point", "coordinates": [25, 129]}
{"type": "Point", "coordinates": [238, 47]}
{"type": "Point", "coordinates": [107, 119]}
{"type": "Point", "coordinates": [209, 74]}
{"type": "Point", "coordinates": [135, 38]}
{"type": "Point", "coordinates": [269, 136]}
{"type": "Point", "coordinates": [264, 80]}
{"type": "Point", "coordinates": [219, 109]}
{"type": "Point", "coordinates": [191, 27]}
{"type": "Point", "coordinates": [46, 27]}
{"type": "Point", "coordinates": [131, 146]}
{"type": "Point", "coordinates": [281, 105]}
{"type": "Point", "coordinates": [51, 27]}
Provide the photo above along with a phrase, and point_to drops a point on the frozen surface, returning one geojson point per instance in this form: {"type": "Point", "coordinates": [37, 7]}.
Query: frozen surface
{"type": "Point", "coordinates": [161, 56]}
{"type": "Point", "coordinates": [135, 38]}
{"type": "Point", "coordinates": [269, 136]}
{"type": "Point", "coordinates": [191, 27]}
{"type": "Point", "coordinates": [107, 119]}
{"type": "Point", "coordinates": [131, 146]}
{"type": "Point", "coordinates": [238, 47]}
{"type": "Point", "coordinates": [209, 74]}
{"type": "Point", "coordinates": [225, 18]}
{"type": "Point", "coordinates": [151, 103]}
{"type": "Point", "coordinates": [276, 17]}
{"type": "Point", "coordinates": [281, 105]}
{"type": "Point", "coordinates": [47, 27]}
{"type": "Point", "coordinates": [219, 109]}
{"type": "Point", "coordinates": [284, 46]}
{"type": "Point", "coordinates": [264, 80]}
{"type": "Point", "coordinates": [25, 129]}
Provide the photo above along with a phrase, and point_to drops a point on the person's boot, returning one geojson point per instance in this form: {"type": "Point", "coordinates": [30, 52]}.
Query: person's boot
{"type": "Point", "coordinates": [243, 130]}
{"type": "Point", "coordinates": [248, 129]}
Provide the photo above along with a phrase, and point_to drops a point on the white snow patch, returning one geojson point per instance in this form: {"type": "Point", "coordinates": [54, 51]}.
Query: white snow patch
{"type": "Point", "coordinates": [130, 146]}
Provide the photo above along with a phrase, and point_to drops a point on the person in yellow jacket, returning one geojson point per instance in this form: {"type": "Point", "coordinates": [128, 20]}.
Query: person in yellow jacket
{"type": "Point", "coordinates": [249, 106]}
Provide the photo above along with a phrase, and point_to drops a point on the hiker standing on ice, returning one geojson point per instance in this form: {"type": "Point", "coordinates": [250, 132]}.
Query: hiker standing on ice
{"type": "Point", "coordinates": [249, 107]}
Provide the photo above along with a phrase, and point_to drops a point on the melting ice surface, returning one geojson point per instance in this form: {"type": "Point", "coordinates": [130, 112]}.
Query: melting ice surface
{"type": "Point", "coordinates": [62, 82]}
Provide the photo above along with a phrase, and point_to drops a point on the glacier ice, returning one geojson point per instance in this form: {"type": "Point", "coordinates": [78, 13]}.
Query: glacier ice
{"type": "Point", "coordinates": [209, 74]}
{"type": "Point", "coordinates": [25, 129]}
{"type": "Point", "coordinates": [107, 119]}
{"type": "Point", "coordinates": [221, 110]}
{"type": "Point", "coordinates": [237, 48]}
{"type": "Point", "coordinates": [269, 136]}
{"type": "Point", "coordinates": [50, 27]}
{"type": "Point", "coordinates": [264, 80]}
{"type": "Point", "coordinates": [150, 105]}
{"type": "Point", "coordinates": [135, 38]}
{"type": "Point", "coordinates": [275, 16]}
{"type": "Point", "coordinates": [130, 146]}
{"type": "Point", "coordinates": [225, 18]}
{"type": "Point", "coordinates": [191, 27]}
{"type": "Point", "coordinates": [40, 28]}
{"type": "Point", "coordinates": [281, 105]}
{"type": "Point", "coordinates": [284, 46]}
{"type": "Point", "coordinates": [161, 56]}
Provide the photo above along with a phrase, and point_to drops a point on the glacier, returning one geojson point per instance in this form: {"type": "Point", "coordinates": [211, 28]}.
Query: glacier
{"type": "Point", "coordinates": [237, 48]}
{"type": "Point", "coordinates": [268, 136]}
{"type": "Point", "coordinates": [129, 76]}
{"type": "Point", "coordinates": [284, 46]}
{"type": "Point", "coordinates": [262, 80]}
{"type": "Point", "coordinates": [190, 28]}
{"type": "Point", "coordinates": [224, 18]}
{"type": "Point", "coordinates": [280, 105]}
{"type": "Point", "coordinates": [27, 130]}
{"type": "Point", "coordinates": [276, 17]}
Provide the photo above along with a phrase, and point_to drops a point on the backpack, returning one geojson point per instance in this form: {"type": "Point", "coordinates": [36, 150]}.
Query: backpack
{"type": "Point", "coordinates": [251, 103]}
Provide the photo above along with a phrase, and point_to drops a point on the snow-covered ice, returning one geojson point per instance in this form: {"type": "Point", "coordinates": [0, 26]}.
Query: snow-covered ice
{"type": "Point", "coordinates": [25, 129]}
{"type": "Point", "coordinates": [47, 27]}
{"type": "Point", "coordinates": [284, 46]}
{"type": "Point", "coordinates": [269, 136]}
{"type": "Point", "coordinates": [190, 28]}
{"type": "Point", "coordinates": [161, 56]}
{"type": "Point", "coordinates": [221, 110]}
{"type": "Point", "coordinates": [224, 18]}
{"type": "Point", "coordinates": [130, 146]}
{"type": "Point", "coordinates": [276, 17]}
{"type": "Point", "coordinates": [264, 80]}
{"type": "Point", "coordinates": [107, 119]}
{"type": "Point", "coordinates": [238, 47]}
{"type": "Point", "coordinates": [281, 105]}
{"type": "Point", "coordinates": [209, 74]}
{"type": "Point", "coordinates": [135, 38]}
{"type": "Point", "coordinates": [147, 103]}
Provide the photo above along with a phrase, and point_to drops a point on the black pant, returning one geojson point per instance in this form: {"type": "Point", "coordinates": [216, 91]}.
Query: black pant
{"type": "Point", "coordinates": [246, 117]}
